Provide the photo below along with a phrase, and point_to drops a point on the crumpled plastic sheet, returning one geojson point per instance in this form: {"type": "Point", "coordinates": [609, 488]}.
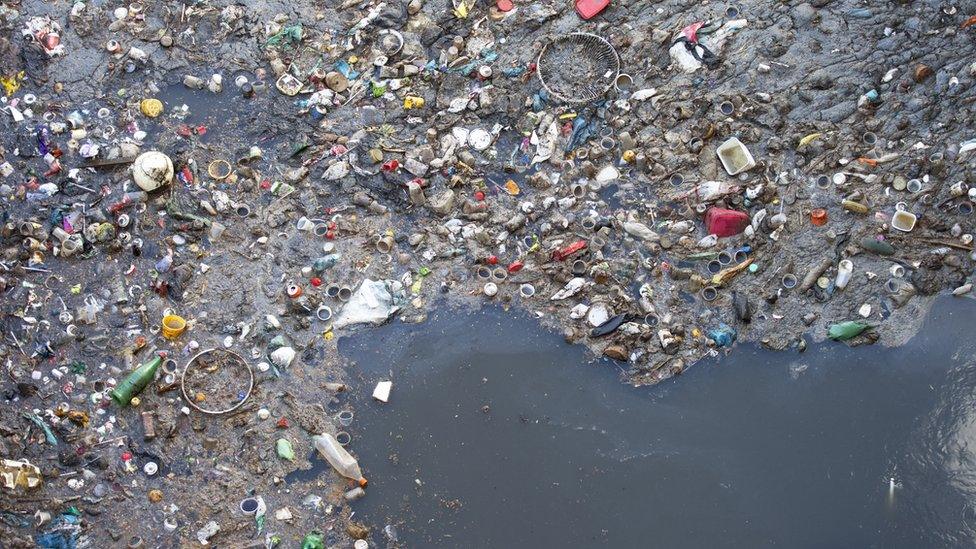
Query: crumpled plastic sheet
{"type": "Point", "coordinates": [63, 534]}
{"type": "Point", "coordinates": [373, 303]}
{"type": "Point", "coordinates": [714, 42]}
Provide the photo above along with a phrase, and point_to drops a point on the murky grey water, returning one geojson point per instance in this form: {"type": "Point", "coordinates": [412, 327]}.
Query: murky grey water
{"type": "Point", "coordinates": [498, 434]}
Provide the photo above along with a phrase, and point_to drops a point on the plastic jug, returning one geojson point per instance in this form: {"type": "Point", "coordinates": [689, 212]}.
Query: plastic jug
{"type": "Point", "coordinates": [337, 456]}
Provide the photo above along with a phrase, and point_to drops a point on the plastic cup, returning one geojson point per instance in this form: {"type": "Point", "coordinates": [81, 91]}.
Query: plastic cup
{"type": "Point", "coordinates": [173, 326]}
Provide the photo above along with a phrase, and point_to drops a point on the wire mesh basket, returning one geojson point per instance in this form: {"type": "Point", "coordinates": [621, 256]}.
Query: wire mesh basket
{"type": "Point", "coordinates": [578, 67]}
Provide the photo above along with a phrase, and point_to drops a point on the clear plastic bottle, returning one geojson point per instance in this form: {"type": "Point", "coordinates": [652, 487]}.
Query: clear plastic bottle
{"type": "Point", "coordinates": [337, 456]}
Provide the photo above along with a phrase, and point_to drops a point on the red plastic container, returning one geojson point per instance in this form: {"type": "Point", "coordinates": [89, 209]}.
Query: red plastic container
{"type": "Point", "coordinates": [721, 222]}
{"type": "Point", "coordinates": [588, 9]}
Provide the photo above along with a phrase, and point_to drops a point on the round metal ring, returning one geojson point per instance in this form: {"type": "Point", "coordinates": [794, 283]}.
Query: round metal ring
{"type": "Point", "coordinates": [250, 383]}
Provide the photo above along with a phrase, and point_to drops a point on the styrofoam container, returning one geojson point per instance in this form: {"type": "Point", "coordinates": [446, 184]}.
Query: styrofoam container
{"type": "Point", "coordinates": [735, 157]}
{"type": "Point", "coordinates": [903, 221]}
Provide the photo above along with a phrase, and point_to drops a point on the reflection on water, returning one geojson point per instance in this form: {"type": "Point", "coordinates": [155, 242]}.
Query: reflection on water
{"type": "Point", "coordinates": [500, 435]}
{"type": "Point", "coordinates": [941, 466]}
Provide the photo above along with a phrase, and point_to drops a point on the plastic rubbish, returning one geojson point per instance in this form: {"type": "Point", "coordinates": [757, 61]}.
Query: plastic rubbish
{"type": "Point", "coordinates": [723, 336]}
{"type": "Point", "coordinates": [282, 357]}
{"type": "Point", "coordinates": [324, 263]}
{"type": "Point", "coordinates": [152, 170]}
{"type": "Point", "coordinates": [566, 251]}
{"type": "Point", "coordinates": [19, 474]}
{"type": "Point", "coordinates": [723, 223]}
{"type": "Point", "coordinates": [313, 540]}
{"type": "Point", "coordinates": [903, 221]}
{"type": "Point", "coordinates": [735, 157]}
{"type": "Point", "coordinates": [208, 531]}
{"type": "Point", "coordinates": [173, 326]}
{"type": "Point", "coordinates": [337, 456]}
{"type": "Point", "coordinates": [588, 9]}
{"type": "Point", "coordinates": [285, 450]}
{"type": "Point", "coordinates": [570, 289]}
{"type": "Point", "coordinates": [845, 270]}
{"type": "Point", "coordinates": [709, 191]}
{"type": "Point", "coordinates": [846, 330]}
{"type": "Point", "coordinates": [382, 391]}
{"type": "Point", "coordinates": [640, 231]}
{"type": "Point", "coordinates": [611, 325]}
{"type": "Point", "coordinates": [880, 247]}
{"type": "Point", "coordinates": [374, 302]}
{"type": "Point", "coordinates": [742, 307]}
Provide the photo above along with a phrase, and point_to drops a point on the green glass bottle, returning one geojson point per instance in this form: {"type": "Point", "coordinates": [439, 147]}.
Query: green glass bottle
{"type": "Point", "coordinates": [134, 383]}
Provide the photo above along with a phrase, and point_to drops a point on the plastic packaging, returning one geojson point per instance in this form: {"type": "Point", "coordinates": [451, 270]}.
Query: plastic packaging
{"type": "Point", "coordinates": [721, 222]}
{"type": "Point", "coordinates": [337, 456]}
{"type": "Point", "coordinates": [314, 540]}
{"type": "Point", "coordinates": [723, 336]}
{"type": "Point", "coordinates": [903, 221]}
{"type": "Point", "coordinates": [735, 157]}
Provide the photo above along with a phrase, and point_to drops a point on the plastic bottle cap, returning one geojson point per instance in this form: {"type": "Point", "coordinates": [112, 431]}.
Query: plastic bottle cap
{"type": "Point", "coordinates": [150, 468]}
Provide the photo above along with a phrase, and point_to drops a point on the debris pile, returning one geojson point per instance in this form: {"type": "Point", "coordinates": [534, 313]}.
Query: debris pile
{"type": "Point", "coordinates": [197, 198]}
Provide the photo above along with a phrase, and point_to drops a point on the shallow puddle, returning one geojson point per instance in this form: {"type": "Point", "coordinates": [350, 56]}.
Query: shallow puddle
{"type": "Point", "coordinates": [498, 434]}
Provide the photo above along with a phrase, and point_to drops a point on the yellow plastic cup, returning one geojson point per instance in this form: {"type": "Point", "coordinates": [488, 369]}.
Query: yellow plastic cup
{"type": "Point", "coordinates": [173, 326]}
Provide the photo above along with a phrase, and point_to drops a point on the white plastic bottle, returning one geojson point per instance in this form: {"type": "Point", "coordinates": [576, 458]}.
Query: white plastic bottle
{"type": "Point", "coordinates": [337, 456]}
{"type": "Point", "coordinates": [844, 272]}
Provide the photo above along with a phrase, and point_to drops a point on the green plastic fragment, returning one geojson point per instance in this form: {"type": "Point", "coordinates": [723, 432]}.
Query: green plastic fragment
{"type": "Point", "coordinates": [313, 540]}
{"type": "Point", "coordinates": [843, 331]}
{"type": "Point", "coordinates": [285, 450]}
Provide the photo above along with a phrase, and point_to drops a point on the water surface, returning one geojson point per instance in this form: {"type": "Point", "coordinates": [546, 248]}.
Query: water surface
{"type": "Point", "coordinates": [498, 434]}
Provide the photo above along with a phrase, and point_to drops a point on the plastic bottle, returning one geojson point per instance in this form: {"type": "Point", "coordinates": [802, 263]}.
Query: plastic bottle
{"type": "Point", "coordinates": [135, 382]}
{"type": "Point", "coordinates": [325, 262]}
{"type": "Point", "coordinates": [843, 331]}
{"type": "Point", "coordinates": [337, 456]}
{"type": "Point", "coordinates": [844, 272]}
